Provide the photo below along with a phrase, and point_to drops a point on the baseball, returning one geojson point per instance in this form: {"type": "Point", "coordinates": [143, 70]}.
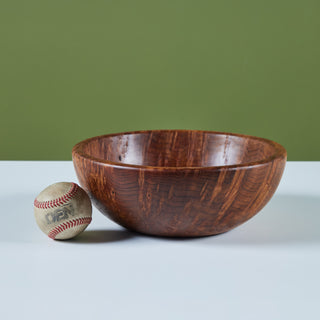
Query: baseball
{"type": "Point", "coordinates": [63, 210]}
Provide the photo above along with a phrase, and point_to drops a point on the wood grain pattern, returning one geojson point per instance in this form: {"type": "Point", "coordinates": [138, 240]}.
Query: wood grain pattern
{"type": "Point", "coordinates": [182, 183]}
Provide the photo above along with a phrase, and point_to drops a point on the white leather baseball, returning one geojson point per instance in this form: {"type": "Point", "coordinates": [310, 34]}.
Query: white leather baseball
{"type": "Point", "coordinates": [63, 210]}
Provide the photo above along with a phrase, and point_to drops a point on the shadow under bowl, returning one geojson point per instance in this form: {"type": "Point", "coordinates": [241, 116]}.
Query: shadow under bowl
{"type": "Point", "coordinates": [179, 183]}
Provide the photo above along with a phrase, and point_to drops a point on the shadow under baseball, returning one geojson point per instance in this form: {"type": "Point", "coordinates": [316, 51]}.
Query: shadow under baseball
{"type": "Point", "coordinates": [102, 236]}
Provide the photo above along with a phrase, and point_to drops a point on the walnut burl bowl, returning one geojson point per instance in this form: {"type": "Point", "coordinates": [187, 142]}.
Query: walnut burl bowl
{"type": "Point", "coordinates": [179, 183]}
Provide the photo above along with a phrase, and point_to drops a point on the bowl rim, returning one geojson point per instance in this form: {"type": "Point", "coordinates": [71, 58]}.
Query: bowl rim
{"type": "Point", "coordinates": [280, 151]}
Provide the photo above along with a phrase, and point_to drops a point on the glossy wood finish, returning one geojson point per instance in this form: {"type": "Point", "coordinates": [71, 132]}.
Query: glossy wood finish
{"type": "Point", "coordinates": [179, 182]}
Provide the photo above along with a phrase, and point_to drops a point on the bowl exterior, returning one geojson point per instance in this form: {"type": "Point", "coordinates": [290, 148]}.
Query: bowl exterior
{"type": "Point", "coordinates": [179, 202]}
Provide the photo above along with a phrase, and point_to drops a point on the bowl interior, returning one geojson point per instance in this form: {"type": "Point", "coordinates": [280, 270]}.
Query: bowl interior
{"type": "Point", "coordinates": [179, 148]}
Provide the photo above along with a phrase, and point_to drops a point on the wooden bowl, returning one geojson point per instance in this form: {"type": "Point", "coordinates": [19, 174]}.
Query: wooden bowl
{"type": "Point", "coordinates": [179, 183]}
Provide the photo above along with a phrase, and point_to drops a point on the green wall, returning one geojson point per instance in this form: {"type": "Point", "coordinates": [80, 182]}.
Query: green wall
{"type": "Point", "coordinates": [70, 70]}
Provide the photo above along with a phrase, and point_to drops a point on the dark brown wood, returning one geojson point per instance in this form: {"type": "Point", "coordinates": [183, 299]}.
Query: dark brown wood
{"type": "Point", "coordinates": [182, 183]}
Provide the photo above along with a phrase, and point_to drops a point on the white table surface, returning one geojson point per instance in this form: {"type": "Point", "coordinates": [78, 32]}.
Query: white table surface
{"type": "Point", "coordinates": [267, 268]}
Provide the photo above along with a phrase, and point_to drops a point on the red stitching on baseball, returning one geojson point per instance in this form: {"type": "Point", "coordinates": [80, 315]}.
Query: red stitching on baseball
{"type": "Point", "coordinates": [59, 201]}
{"type": "Point", "coordinates": [67, 225]}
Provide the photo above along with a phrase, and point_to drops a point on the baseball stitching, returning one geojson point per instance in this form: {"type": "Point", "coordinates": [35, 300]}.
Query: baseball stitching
{"type": "Point", "coordinates": [59, 201]}
{"type": "Point", "coordinates": [67, 225]}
